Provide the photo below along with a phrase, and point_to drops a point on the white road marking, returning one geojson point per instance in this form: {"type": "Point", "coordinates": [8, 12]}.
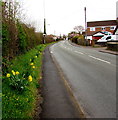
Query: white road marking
{"type": "Point", "coordinates": [51, 52]}
{"type": "Point", "coordinates": [99, 59]}
{"type": "Point", "coordinates": [79, 52]}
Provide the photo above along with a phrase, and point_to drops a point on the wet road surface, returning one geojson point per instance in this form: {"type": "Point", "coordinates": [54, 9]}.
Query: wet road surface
{"type": "Point", "coordinates": [92, 77]}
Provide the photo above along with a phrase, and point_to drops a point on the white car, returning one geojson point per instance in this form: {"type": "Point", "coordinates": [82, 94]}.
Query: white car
{"type": "Point", "coordinates": [103, 39]}
{"type": "Point", "coordinates": [108, 38]}
{"type": "Point", "coordinates": [113, 38]}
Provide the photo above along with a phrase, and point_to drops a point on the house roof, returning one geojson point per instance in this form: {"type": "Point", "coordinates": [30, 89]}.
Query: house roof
{"type": "Point", "coordinates": [115, 30]}
{"type": "Point", "coordinates": [101, 23]}
{"type": "Point", "coordinates": [99, 33]}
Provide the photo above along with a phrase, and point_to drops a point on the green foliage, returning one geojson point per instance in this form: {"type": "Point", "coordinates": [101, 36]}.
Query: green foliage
{"type": "Point", "coordinates": [49, 38]}
{"type": "Point", "coordinates": [26, 39]}
{"type": "Point", "coordinates": [21, 38]}
{"type": "Point", "coordinates": [5, 39]}
{"type": "Point", "coordinates": [75, 39]}
{"type": "Point", "coordinates": [17, 37]}
{"type": "Point", "coordinates": [17, 81]}
{"type": "Point", "coordinates": [20, 92]}
{"type": "Point", "coordinates": [79, 40]}
{"type": "Point", "coordinates": [19, 51]}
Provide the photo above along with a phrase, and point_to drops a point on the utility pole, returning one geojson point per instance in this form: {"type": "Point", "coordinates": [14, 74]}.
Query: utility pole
{"type": "Point", "coordinates": [85, 27]}
{"type": "Point", "coordinates": [44, 34]}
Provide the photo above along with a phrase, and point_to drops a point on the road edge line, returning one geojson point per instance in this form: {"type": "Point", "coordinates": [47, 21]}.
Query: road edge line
{"type": "Point", "coordinates": [73, 98]}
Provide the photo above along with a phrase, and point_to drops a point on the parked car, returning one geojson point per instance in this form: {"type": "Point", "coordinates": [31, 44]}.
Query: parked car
{"type": "Point", "coordinates": [107, 33]}
{"type": "Point", "coordinates": [103, 39]}
{"type": "Point", "coordinates": [113, 38]}
{"type": "Point", "coordinates": [108, 38]}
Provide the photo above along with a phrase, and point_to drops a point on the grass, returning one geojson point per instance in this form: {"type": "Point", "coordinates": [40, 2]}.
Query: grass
{"type": "Point", "coordinates": [20, 91]}
{"type": "Point", "coordinates": [0, 95]}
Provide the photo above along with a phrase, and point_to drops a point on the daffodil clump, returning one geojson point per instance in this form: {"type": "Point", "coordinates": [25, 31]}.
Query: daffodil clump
{"type": "Point", "coordinates": [18, 81]}
{"type": "Point", "coordinates": [13, 73]}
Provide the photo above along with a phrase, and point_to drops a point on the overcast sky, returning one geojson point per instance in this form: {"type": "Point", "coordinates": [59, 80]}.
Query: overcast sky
{"type": "Point", "coordinates": [63, 15]}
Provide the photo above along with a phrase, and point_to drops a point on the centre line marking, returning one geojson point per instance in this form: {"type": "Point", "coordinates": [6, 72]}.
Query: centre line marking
{"type": "Point", "coordinates": [51, 52]}
{"type": "Point", "coordinates": [79, 52]}
{"type": "Point", "coordinates": [99, 59]}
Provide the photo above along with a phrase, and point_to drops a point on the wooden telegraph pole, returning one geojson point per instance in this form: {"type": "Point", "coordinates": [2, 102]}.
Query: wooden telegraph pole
{"type": "Point", "coordinates": [44, 34]}
{"type": "Point", "coordinates": [85, 27]}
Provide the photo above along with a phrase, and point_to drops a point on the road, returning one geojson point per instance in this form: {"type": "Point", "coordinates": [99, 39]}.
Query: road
{"type": "Point", "coordinates": [57, 102]}
{"type": "Point", "coordinates": [92, 77]}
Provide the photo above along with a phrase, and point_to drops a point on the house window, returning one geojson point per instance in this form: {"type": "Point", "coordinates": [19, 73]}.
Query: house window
{"type": "Point", "coordinates": [92, 29]}
{"type": "Point", "coordinates": [112, 28]}
{"type": "Point", "coordinates": [103, 28]}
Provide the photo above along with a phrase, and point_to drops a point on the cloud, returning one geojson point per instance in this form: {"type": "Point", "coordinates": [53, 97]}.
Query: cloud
{"type": "Point", "coordinates": [64, 15]}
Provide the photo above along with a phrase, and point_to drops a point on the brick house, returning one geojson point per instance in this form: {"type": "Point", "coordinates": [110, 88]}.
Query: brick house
{"type": "Point", "coordinates": [97, 29]}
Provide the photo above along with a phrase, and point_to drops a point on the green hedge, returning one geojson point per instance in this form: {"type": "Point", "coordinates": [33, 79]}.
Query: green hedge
{"type": "Point", "coordinates": [20, 83]}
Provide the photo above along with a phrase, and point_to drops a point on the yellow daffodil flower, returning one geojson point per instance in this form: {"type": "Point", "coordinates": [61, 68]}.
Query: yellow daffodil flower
{"type": "Point", "coordinates": [17, 72]}
{"type": "Point", "coordinates": [13, 72]}
{"type": "Point", "coordinates": [30, 78]}
{"type": "Point", "coordinates": [31, 63]}
{"type": "Point", "coordinates": [8, 75]}
{"type": "Point", "coordinates": [33, 67]}
{"type": "Point", "coordinates": [16, 98]}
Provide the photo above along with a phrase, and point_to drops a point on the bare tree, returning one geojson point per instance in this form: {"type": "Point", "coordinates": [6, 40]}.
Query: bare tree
{"type": "Point", "coordinates": [79, 29]}
{"type": "Point", "coordinates": [9, 12]}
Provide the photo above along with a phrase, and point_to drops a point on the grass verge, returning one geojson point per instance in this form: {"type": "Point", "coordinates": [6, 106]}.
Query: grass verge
{"type": "Point", "coordinates": [20, 84]}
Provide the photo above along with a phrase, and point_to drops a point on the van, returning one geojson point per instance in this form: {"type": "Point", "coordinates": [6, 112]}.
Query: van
{"type": "Point", "coordinates": [113, 38]}
{"type": "Point", "coordinates": [108, 38]}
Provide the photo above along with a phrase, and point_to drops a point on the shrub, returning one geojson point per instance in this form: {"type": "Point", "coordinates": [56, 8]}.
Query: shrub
{"type": "Point", "coordinates": [5, 40]}
{"type": "Point", "coordinates": [22, 43]}
{"type": "Point", "coordinates": [81, 40]}
{"type": "Point", "coordinates": [20, 83]}
{"type": "Point", "coordinates": [49, 39]}
{"type": "Point", "coordinates": [75, 39]}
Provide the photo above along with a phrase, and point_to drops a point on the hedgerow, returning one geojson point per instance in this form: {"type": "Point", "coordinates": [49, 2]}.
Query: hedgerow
{"type": "Point", "coordinates": [21, 64]}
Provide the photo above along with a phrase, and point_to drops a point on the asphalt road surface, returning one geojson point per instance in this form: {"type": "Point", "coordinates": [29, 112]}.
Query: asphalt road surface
{"type": "Point", "coordinates": [57, 101]}
{"type": "Point", "coordinates": [92, 77]}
